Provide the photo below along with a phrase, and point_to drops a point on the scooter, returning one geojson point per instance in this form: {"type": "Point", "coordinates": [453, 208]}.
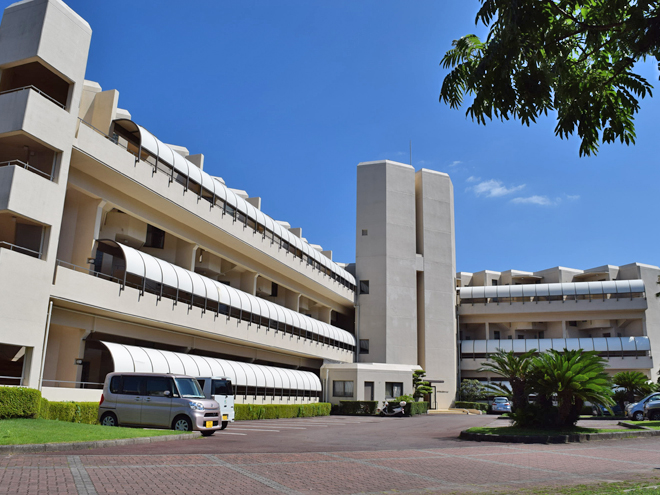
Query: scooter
{"type": "Point", "coordinates": [396, 411]}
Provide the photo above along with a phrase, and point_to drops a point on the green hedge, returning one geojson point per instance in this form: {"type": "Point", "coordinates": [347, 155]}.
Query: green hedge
{"type": "Point", "coordinates": [357, 407]}
{"type": "Point", "coordinates": [19, 402]}
{"type": "Point", "coordinates": [480, 406]}
{"type": "Point", "coordinates": [275, 411]}
{"type": "Point", "coordinates": [415, 408]}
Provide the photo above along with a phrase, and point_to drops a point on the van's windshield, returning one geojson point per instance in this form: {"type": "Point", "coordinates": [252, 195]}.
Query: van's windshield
{"type": "Point", "coordinates": [189, 388]}
{"type": "Point", "coordinates": [221, 387]}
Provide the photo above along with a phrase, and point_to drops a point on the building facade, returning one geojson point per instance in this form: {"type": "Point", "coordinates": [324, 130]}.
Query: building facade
{"type": "Point", "coordinates": [118, 252]}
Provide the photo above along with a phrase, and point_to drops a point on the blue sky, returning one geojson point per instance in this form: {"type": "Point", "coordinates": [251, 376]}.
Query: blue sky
{"type": "Point", "coordinates": [285, 99]}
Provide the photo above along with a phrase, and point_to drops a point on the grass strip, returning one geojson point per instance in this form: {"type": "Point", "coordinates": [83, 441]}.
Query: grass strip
{"type": "Point", "coordinates": [34, 431]}
{"type": "Point", "coordinates": [646, 487]}
{"type": "Point", "coordinates": [654, 425]}
{"type": "Point", "coordinates": [514, 430]}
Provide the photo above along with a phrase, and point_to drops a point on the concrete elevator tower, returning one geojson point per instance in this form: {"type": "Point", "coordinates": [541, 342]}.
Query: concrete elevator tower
{"type": "Point", "coordinates": [405, 267]}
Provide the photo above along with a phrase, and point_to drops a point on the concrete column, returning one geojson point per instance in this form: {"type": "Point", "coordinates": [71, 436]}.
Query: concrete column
{"type": "Point", "coordinates": [249, 282]}
{"type": "Point", "coordinates": [564, 330]}
{"type": "Point", "coordinates": [185, 254]}
{"type": "Point", "coordinates": [487, 331]}
{"type": "Point", "coordinates": [292, 300]}
{"type": "Point", "coordinates": [63, 349]}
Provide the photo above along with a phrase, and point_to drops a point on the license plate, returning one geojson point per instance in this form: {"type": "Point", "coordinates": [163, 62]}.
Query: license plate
{"type": "Point", "coordinates": [225, 417]}
{"type": "Point", "coordinates": [209, 424]}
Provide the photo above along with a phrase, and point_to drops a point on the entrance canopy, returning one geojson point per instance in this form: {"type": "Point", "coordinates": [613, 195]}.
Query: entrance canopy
{"type": "Point", "coordinates": [128, 358]}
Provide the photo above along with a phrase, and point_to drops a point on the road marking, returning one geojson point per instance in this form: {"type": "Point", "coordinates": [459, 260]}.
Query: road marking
{"type": "Point", "coordinates": [81, 478]}
{"type": "Point", "coordinates": [253, 429]}
{"type": "Point", "coordinates": [277, 426]}
{"type": "Point", "coordinates": [256, 477]}
{"type": "Point", "coordinates": [230, 433]}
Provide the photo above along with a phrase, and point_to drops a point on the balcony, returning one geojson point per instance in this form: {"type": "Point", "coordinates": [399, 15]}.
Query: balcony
{"type": "Point", "coordinates": [240, 226]}
{"type": "Point", "coordinates": [621, 352]}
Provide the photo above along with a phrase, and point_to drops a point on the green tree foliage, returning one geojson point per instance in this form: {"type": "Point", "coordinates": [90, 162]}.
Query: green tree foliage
{"type": "Point", "coordinates": [575, 377]}
{"type": "Point", "coordinates": [421, 386]}
{"type": "Point", "coordinates": [471, 390]}
{"type": "Point", "coordinates": [515, 369]}
{"type": "Point", "coordinates": [572, 57]}
{"type": "Point", "coordinates": [635, 384]}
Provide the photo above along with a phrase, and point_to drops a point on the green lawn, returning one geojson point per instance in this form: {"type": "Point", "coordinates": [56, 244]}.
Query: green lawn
{"type": "Point", "coordinates": [647, 487]}
{"type": "Point", "coordinates": [514, 430]}
{"type": "Point", "coordinates": [649, 424]}
{"type": "Point", "coordinates": [23, 431]}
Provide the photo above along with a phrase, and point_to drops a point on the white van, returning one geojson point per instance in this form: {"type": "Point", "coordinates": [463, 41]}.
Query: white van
{"type": "Point", "coordinates": [221, 390]}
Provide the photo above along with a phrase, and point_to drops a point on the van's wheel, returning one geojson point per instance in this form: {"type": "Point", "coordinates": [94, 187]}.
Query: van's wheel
{"type": "Point", "coordinates": [208, 433]}
{"type": "Point", "coordinates": [654, 416]}
{"type": "Point", "coordinates": [109, 419]}
{"type": "Point", "coordinates": [638, 416]}
{"type": "Point", "coordinates": [182, 423]}
{"type": "Point", "coordinates": [224, 425]}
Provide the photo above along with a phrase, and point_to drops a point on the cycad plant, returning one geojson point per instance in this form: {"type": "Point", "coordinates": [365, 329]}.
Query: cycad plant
{"type": "Point", "coordinates": [574, 376]}
{"type": "Point", "coordinates": [635, 384]}
{"type": "Point", "coordinates": [515, 369]}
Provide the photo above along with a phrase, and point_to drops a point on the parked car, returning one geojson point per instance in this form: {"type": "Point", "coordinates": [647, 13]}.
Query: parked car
{"type": "Point", "coordinates": [500, 405]}
{"type": "Point", "coordinates": [652, 410]}
{"type": "Point", "coordinates": [635, 411]}
{"type": "Point", "coordinates": [600, 410]}
{"type": "Point", "coordinates": [157, 400]}
{"type": "Point", "coordinates": [221, 390]}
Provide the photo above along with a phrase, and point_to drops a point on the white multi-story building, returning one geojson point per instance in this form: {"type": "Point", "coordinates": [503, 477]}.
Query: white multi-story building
{"type": "Point", "coordinates": [119, 252]}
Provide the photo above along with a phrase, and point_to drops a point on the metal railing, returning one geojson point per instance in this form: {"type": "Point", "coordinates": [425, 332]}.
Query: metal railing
{"type": "Point", "coordinates": [18, 379]}
{"type": "Point", "coordinates": [26, 166]}
{"type": "Point", "coordinates": [34, 88]}
{"type": "Point", "coordinates": [57, 383]}
{"type": "Point", "coordinates": [19, 249]}
{"type": "Point", "coordinates": [113, 139]}
{"type": "Point", "coordinates": [91, 272]}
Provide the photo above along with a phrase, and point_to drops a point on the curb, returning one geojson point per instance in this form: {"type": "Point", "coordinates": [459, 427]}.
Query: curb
{"type": "Point", "coordinates": [99, 444]}
{"type": "Point", "coordinates": [547, 439]}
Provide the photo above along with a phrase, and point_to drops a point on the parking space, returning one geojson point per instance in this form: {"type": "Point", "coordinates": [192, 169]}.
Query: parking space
{"type": "Point", "coordinates": [335, 455]}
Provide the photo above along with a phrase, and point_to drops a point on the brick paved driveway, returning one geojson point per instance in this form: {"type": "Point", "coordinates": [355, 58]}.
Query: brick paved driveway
{"type": "Point", "coordinates": [450, 466]}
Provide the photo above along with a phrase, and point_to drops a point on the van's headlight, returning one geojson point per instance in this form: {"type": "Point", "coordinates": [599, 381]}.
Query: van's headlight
{"type": "Point", "coordinates": [197, 406]}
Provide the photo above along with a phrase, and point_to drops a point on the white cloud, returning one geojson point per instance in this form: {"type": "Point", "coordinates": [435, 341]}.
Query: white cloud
{"type": "Point", "coordinates": [472, 178]}
{"type": "Point", "coordinates": [536, 200]}
{"type": "Point", "coordinates": [572, 198]}
{"type": "Point", "coordinates": [494, 188]}
{"type": "Point", "coordinates": [455, 163]}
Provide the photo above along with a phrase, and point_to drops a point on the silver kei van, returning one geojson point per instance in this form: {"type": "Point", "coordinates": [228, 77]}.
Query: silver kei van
{"type": "Point", "coordinates": [157, 400]}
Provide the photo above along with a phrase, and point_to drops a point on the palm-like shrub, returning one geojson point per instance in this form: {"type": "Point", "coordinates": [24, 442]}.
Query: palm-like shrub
{"type": "Point", "coordinates": [575, 377]}
{"type": "Point", "coordinates": [634, 383]}
{"type": "Point", "coordinates": [515, 369]}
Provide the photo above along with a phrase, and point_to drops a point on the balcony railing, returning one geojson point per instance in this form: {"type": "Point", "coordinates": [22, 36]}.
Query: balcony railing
{"type": "Point", "coordinates": [19, 163]}
{"type": "Point", "coordinates": [34, 88]}
{"type": "Point", "coordinates": [66, 384]}
{"type": "Point", "coordinates": [20, 249]}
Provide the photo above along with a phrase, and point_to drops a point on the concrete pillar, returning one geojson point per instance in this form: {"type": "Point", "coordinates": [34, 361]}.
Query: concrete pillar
{"type": "Point", "coordinates": [487, 331]}
{"type": "Point", "coordinates": [564, 330]}
{"type": "Point", "coordinates": [185, 254]}
{"type": "Point", "coordinates": [63, 349]}
{"type": "Point", "coordinates": [292, 300]}
{"type": "Point", "coordinates": [249, 282]}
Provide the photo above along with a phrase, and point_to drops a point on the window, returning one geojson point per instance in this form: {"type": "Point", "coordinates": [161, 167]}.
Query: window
{"type": "Point", "coordinates": [393, 389]}
{"type": "Point", "coordinates": [493, 282]}
{"type": "Point", "coordinates": [606, 334]}
{"type": "Point", "coordinates": [541, 335]}
{"type": "Point", "coordinates": [155, 237]}
{"type": "Point", "coordinates": [133, 385]}
{"type": "Point", "coordinates": [364, 287]}
{"type": "Point", "coordinates": [365, 232]}
{"type": "Point", "coordinates": [157, 386]}
{"type": "Point", "coordinates": [496, 335]}
{"type": "Point", "coordinates": [364, 346]}
{"type": "Point", "coordinates": [521, 337]}
{"type": "Point", "coordinates": [342, 388]}
{"type": "Point", "coordinates": [115, 385]}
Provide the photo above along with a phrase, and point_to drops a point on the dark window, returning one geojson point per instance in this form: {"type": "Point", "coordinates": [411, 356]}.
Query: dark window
{"type": "Point", "coordinates": [496, 334]}
{"type": "Point", "coordinates": [493, 282]}
{"type": "Point", "coordinates": [364, 287]}
{"type": "Point", "coordinates": [541, 335]}
{"type": "Point", "coordinates": [607, 334]}
{"type": "Point", "coordinates": [115, 385]}
{"type": "Point", "coordinates": [342, 388]}
{"type": "Point", "coordinates": [521, 337]}
{"type": "Point", "coordinates": [364, 346]}
{"type": "Point", "coordinates": [393, 389]}
{"type": "Point", "coordinates": [274, 290]}
{"type": "Point", "coordinates": [157, 386]}
{"type": "Point", "coordinates": [133, 385]}
{"type": "Point", "coordinates": [155, 237]}
{"type": "Point", "coordinates": [222, 387]}
{"type": "Point", "coordinates": [365, 232]}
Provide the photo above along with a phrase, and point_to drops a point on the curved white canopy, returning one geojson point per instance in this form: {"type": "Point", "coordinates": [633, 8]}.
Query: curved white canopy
{"type": "Point", "coordinates": [554, 289]}
{"type": "Point", "coordinates": [599, 344]}
{"type": "Point", "coordinates": [130, 358]}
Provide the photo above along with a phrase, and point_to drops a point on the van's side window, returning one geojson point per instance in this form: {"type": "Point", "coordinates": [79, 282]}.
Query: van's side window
{"type": "Point", "coordinates": [115, 385]}
{"type": "Point", "coordinates": [157, 386]}
{"type": "Point", "coordinates": [201, 383]}
{"type": "Point", "coordinates": [133, 385]}
{"type": "Point", "coordinates": [222, 387]}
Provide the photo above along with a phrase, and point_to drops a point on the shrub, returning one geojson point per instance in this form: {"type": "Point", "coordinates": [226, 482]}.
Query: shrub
{"type": "Point", "coordinates": [19, 402]}
{"type": "Point", "coordinates": [359, 407]}
{"type": "Point", "coordinates": [471, 390]}
{"type": "Point", "coordinates": [480, 406]}
{"type": "Point", "coordinates": [275, 411]}
{"type": "Point", "coordinates": [415, 408]}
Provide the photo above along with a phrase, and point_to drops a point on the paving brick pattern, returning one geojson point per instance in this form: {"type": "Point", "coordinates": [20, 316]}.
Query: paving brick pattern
{"type": "Point", "coordinates": [452, 467]}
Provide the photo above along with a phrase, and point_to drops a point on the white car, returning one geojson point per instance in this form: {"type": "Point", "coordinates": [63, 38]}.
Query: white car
{"type": "Point", "coordinates": [635, 411]}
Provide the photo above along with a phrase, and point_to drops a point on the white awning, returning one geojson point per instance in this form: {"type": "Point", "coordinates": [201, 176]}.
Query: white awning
{"type": "Point", "coordinates": [554, 289]}
{"type": "Point", "coordinates": [154, 269]}
{"type": "Point", "coordinates": [519, 346]}
{"type": "Point", "coordinates": [129, 358]}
